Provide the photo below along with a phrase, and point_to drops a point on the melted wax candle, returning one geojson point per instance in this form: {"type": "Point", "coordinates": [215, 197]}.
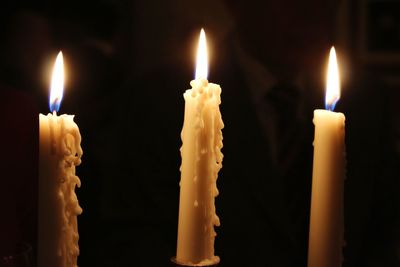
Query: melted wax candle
{"type": "Point", "coordinates": [201, 161]}
{"type": "Point", "coordinates": [59, 153]}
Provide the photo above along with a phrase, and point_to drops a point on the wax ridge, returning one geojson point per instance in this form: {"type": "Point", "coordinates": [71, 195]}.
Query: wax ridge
{"type": "Point", "coordinates": [71, 152]}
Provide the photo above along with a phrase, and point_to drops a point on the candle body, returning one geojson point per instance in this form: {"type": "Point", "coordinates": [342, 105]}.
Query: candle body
{"type": "Point", "coordinates": [201, 161]}
{"type": "Point", "coordinates": [59, 153]}
{"type": "Point", "coordinates": [326, 220]}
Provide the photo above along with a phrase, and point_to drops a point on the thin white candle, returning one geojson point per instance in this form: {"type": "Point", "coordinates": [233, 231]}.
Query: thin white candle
{"type": "Point", "coordinates": [201, 161]}
{"type": "Point", "coordinates": [59, 153]}
{"type": "Point", "coordinates": [326, 220]}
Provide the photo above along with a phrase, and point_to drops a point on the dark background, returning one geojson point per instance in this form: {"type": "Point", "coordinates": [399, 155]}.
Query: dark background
{"type": "Point", "coordinates": [127, 65]}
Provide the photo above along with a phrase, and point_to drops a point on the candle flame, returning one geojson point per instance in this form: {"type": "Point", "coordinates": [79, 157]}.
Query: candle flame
{"type": "Point", "coordinates": [333, 82]}
{"type": "Point", "coordinates": [202, 57]}
{"type": "Point", "coordinates": [57, 84]}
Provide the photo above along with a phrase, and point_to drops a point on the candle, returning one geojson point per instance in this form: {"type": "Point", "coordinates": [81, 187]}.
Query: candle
{"type": "Point", "coordinates": [326, 221]}
{"type": "Point", "coordinates": [201, 161]}
{"type": "Point", "coordinates": [59, 153]}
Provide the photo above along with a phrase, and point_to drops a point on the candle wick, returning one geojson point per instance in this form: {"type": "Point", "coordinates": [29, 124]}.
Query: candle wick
{"type": "Point", "coordinates": [55, 105]}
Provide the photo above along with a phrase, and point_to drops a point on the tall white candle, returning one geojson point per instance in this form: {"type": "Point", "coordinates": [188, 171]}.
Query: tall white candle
{"type": "Point", "coordinates": [59, 153]}
{"type": "Point", "coordinates": [201, 161]}
{"type": "Point", "coordinates": [326, 221]}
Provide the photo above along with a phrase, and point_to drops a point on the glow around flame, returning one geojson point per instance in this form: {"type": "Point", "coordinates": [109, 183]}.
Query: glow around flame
{"type": "Point", "coordinates": [333, 82]}
{"type": "Point", "coordinates": [202, 57]}
{"type": "Point", "coordinates": [57, 84]}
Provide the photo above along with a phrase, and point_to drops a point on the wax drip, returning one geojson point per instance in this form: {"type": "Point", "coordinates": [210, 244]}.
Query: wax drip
{"type": "Point", "coordinates": [208, 95]}
{"type": "Point", "coordinates": [71, 153]}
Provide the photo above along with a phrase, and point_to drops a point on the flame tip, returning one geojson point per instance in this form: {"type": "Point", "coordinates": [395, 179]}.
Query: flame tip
{"type": "Point", "coordinates": [202, 57]}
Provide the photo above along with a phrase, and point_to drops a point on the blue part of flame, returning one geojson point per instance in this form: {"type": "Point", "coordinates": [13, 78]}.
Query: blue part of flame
{"type": "Point", "coordinates": [330, 106]}
{"type": "Point", "coordinates": [55, 106]}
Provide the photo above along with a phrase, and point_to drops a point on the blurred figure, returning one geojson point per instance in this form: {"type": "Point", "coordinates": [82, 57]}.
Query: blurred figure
{"type": "Point", "coordinates": [290, 47]}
